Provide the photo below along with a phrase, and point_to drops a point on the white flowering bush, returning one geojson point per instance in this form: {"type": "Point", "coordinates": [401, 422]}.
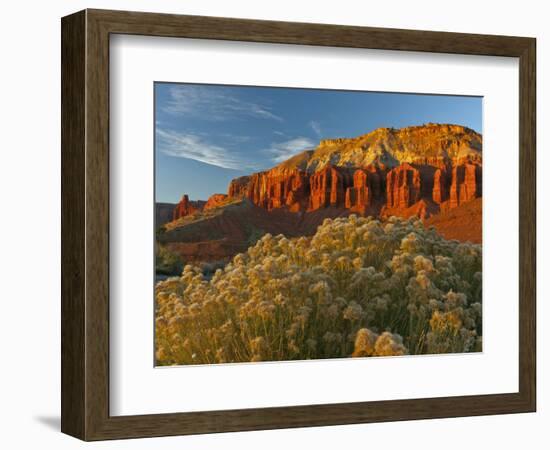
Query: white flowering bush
{"type": "Point", "coordinates": [358, 287]}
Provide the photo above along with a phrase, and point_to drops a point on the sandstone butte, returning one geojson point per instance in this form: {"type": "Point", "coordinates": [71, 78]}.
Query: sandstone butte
{"type": "Point", "coordinates": [420, 170]}
{"type": "Point", "coordinates": [187, 207]}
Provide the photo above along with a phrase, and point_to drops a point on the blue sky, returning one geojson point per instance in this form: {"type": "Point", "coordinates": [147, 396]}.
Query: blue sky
{"type": "Point", "coordinates": [206, 135]}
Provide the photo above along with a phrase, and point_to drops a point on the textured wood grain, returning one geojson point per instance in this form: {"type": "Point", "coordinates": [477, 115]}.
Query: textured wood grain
{"type": "Point", "coordinates": [73, 274]}
{"type": "Point", "coordinates": [85, 224]}
{"type": "Point", "coordinates": [97, 225]}
{"type": "Point", "coordinates": [527, 224]}
{"type": "Point", "coordinates": [151, 24]}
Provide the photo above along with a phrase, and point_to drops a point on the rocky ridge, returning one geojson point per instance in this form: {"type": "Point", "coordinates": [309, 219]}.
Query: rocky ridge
{"type": "Point", "coordinates": [385, 172]}
{"type": "Point", "coordinates": [186, 207]}
{"type": "Point", "coordinates": [432, 171]}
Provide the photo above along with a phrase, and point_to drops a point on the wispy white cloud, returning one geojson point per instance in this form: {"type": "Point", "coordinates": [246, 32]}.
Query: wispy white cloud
{"type": "Point", "coordinates": [212, 103]}
{"type": "Point", "coordinates": [316, 127]}
{"type": "Point", "coordinates": [281, 151]}
{"type": "Point", "coordinates": [197, 147]}
{"type": "Point", "coordinates": [234, 139]}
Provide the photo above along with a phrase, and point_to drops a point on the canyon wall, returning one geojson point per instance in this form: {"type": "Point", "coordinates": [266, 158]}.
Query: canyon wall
{"type": "Point", "coordinates": [368, 190]}
{"type": "Point", "coordinates": [412, 171]}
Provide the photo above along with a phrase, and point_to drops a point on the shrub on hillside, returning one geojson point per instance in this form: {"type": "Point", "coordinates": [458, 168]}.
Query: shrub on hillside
{"type": "Point", "coordinates": [167, 262]}
{"type": "Point", "coordinates": [358, 287]}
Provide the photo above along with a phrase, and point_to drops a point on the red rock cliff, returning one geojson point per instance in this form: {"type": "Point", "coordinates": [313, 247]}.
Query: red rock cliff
{"type": "Point", "coordinates": [215, 200]}
{"type": "Point", "coordinates": [275, 188]}
{"type": "Point", "coordinates": [185, 207]}
{"type": "Point", "coordinates": [415, 170]}
{"type": "Point", "coordinates": [440, 192]}
{"type": "Point", "coordinates": [466, 184]}
{"type": "Point", "coordinates": [367, 190]}
{"type": "Point", "coordinates": [363, 190]}
{"type": "Point", "coordinates": [328, 187]}
{"type": "Point", "coordinates": [403, 186]}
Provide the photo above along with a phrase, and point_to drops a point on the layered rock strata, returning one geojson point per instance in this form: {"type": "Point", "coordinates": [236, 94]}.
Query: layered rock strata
{"type": "Point", "coordinates": [411, 171]}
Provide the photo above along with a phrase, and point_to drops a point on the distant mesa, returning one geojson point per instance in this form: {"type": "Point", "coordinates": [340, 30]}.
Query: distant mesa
{"type": "Point", "coordinates": [164, 213]}
{"type": "Point", "coordinates": [415, 171]}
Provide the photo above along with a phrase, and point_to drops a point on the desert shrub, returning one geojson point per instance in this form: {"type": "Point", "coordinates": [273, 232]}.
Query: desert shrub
{"type": "Point", "coordinates": [358, 287]}
{"type": "Point", "coordinates": [254, 235]}
{"type": "Point", "coordinates": [208, 269]}
{"type": "Point", "coordinates": [167, 262]}
{"type": "Point", "coordinates": [160, 231]}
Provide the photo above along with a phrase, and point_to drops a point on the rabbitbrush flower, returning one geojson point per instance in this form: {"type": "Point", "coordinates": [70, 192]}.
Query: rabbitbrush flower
{"type": "Point", "coordinates": [358, 287]}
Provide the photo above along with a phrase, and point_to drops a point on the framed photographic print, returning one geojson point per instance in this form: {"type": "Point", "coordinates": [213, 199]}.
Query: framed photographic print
{"type": "Point", "coordinates": [270, 225]}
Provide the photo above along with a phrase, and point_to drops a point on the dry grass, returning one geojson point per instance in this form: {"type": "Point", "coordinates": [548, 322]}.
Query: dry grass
{"type": "Point", "coordinates": [202, 215]}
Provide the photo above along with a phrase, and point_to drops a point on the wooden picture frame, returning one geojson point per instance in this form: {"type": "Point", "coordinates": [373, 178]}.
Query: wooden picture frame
{"type": "Point", "coordinates": [85, 224]}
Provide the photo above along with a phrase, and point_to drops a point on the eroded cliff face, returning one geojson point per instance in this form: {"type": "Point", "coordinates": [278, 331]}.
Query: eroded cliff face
{"type": "Point", "coordinates": [411, 171]}
{"type": "Point", "coordinates": [465, 184]}
{"type": "Point", "coordinates": [275, 188]}
{"type": "Point", "coordinates": [432, 172]}
{"type": "Point", "coordinates": [366, 194]}
{"type": "Point", "coordinates": [430, 144]}
{"type": "Point", "coordinates": [215, 201]}
{"type": "Point", "coordinates": [440, 192]}
{"type": "Point", "coordinates": [403, 186]}
{"type": "Point", "coordinates": [186, 207]}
